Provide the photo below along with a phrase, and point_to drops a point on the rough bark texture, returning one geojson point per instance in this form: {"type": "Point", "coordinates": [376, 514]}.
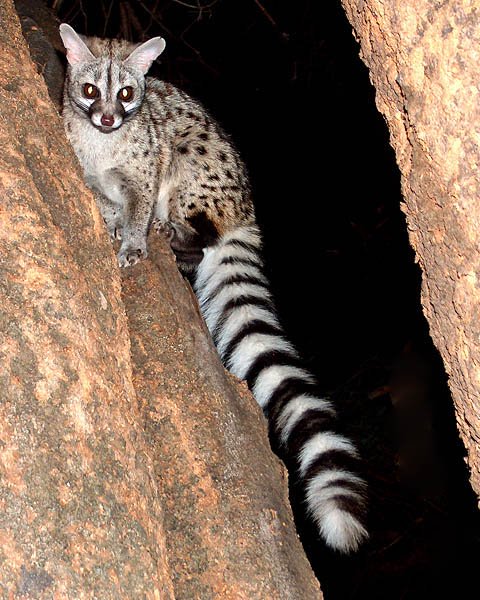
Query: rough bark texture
{"type": "Point", "coordinates": [80, 515]}
{"type": "Point", "coordinates": [423, 58]}
{"type": "Point", "coordinates": [40, 29]}
{"type": "Point", "coordinates": [229, 531]}
{"type": "Point", "coordinates": [107, 416]}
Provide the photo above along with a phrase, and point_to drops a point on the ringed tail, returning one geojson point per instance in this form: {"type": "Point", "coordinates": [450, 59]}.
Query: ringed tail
{"type": "Point", "coordinates": [237, 305]}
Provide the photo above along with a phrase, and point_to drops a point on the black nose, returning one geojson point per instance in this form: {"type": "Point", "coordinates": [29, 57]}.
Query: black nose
{"type": "Point", "coordinates": [107, 120]}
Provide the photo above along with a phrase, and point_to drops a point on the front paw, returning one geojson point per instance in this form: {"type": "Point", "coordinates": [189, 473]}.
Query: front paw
{"type": "Point", "coordinates": [131, 255]}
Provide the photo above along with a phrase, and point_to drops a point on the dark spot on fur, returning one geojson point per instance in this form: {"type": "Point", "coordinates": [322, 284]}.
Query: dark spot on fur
{"type": "Point", "coordinates": [203, 136]}
{"type": "Point", "coordinates": [193, 116]}
{"type": "Point", "coordinates": [228, 173]}
{"type": "Point", "coordinates": [191, 206]}
{"type": "Point", "coordinates": [179, 110]}
{"type": "Point", "coordinates": [246, 210]}
{"type": "Point", "coordinates": [201, 150]}
{"type": "Point", "coordinates": [146, 152]}
{"type": "Point", "coordinates": [203, 197]}
{"type": "Point", "coordinates": [206, 167]}
{"type": "Point", "coordinates": [158, 93]}
{"type": "Point", "coordinates": [155, 121]}
{"type": "Point", "coordinates": [222, 156]}
{"type": "Point", "coordinates": [213, 177]}
{"type": "Point", "coordinates": [183, 149]}
{"type": "Point", "coordinates": [205, 228]}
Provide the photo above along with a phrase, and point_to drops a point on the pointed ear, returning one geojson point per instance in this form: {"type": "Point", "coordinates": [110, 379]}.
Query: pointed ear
{"type": "Point", "coordinates": [77, 50]}
{"type": "Point", "coordinates": [143, 56]}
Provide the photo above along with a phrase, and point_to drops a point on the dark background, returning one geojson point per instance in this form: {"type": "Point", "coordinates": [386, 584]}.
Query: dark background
{"type": "Point", "coordinates": [284, 78]}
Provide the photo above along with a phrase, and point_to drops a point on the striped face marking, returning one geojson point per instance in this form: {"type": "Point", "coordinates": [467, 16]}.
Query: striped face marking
{"type": "Point", "coordinates": [108, 92]}
{"type": "Point", "coordinates": [106, 79]}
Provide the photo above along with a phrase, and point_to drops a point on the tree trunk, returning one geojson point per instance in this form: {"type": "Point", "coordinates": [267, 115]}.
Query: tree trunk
{"type": "Point", "coordinates": [229, 529]}
{"type": "Point", "coordinates": [423, 61]}
{"type": "Point", "coordinates": [80, 515]}
{"type": "Point", "coordinates": [112, 410]}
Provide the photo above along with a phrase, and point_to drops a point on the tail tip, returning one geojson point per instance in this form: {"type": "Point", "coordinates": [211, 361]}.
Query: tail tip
{"type": "Point", "coordinates": [342, 531]}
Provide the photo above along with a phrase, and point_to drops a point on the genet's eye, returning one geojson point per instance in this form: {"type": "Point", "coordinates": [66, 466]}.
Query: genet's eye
{"type": "Point", "coordinates": [125, 94]}
{"type": "Point", "coordinates": [90, 91]}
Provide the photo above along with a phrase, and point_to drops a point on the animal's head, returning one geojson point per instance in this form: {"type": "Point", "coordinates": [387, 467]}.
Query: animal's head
{"type": "Point", "coordinates": [106, 78]}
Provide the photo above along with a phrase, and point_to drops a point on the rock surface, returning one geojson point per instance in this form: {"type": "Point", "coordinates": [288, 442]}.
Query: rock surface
{"type": "Point", "coordinates": [423, 59]}
{"type": "Point", "coordinates": [131, 465]}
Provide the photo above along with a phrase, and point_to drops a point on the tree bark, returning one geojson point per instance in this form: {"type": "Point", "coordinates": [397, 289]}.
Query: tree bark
{"type": "Point", "coordinates": [423, 61]}
{"type": "Point", "coordinates": [80, 515]}
{"type": "Point", "coordinates": [112, 409]}
{"type": "Point", "coordinates": [229, 527]}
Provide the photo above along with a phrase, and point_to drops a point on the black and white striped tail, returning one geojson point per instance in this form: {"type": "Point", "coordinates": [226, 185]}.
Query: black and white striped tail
{"type": "Point", "coordinates": [236, 302]}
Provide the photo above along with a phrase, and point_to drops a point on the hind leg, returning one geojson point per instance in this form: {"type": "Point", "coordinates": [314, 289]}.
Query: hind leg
{"type": "Point", "coordinates": [185, 243]}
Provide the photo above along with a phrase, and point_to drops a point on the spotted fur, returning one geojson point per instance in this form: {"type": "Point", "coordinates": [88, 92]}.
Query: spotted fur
{"type": "Point", "coordinates": [159, 157]}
